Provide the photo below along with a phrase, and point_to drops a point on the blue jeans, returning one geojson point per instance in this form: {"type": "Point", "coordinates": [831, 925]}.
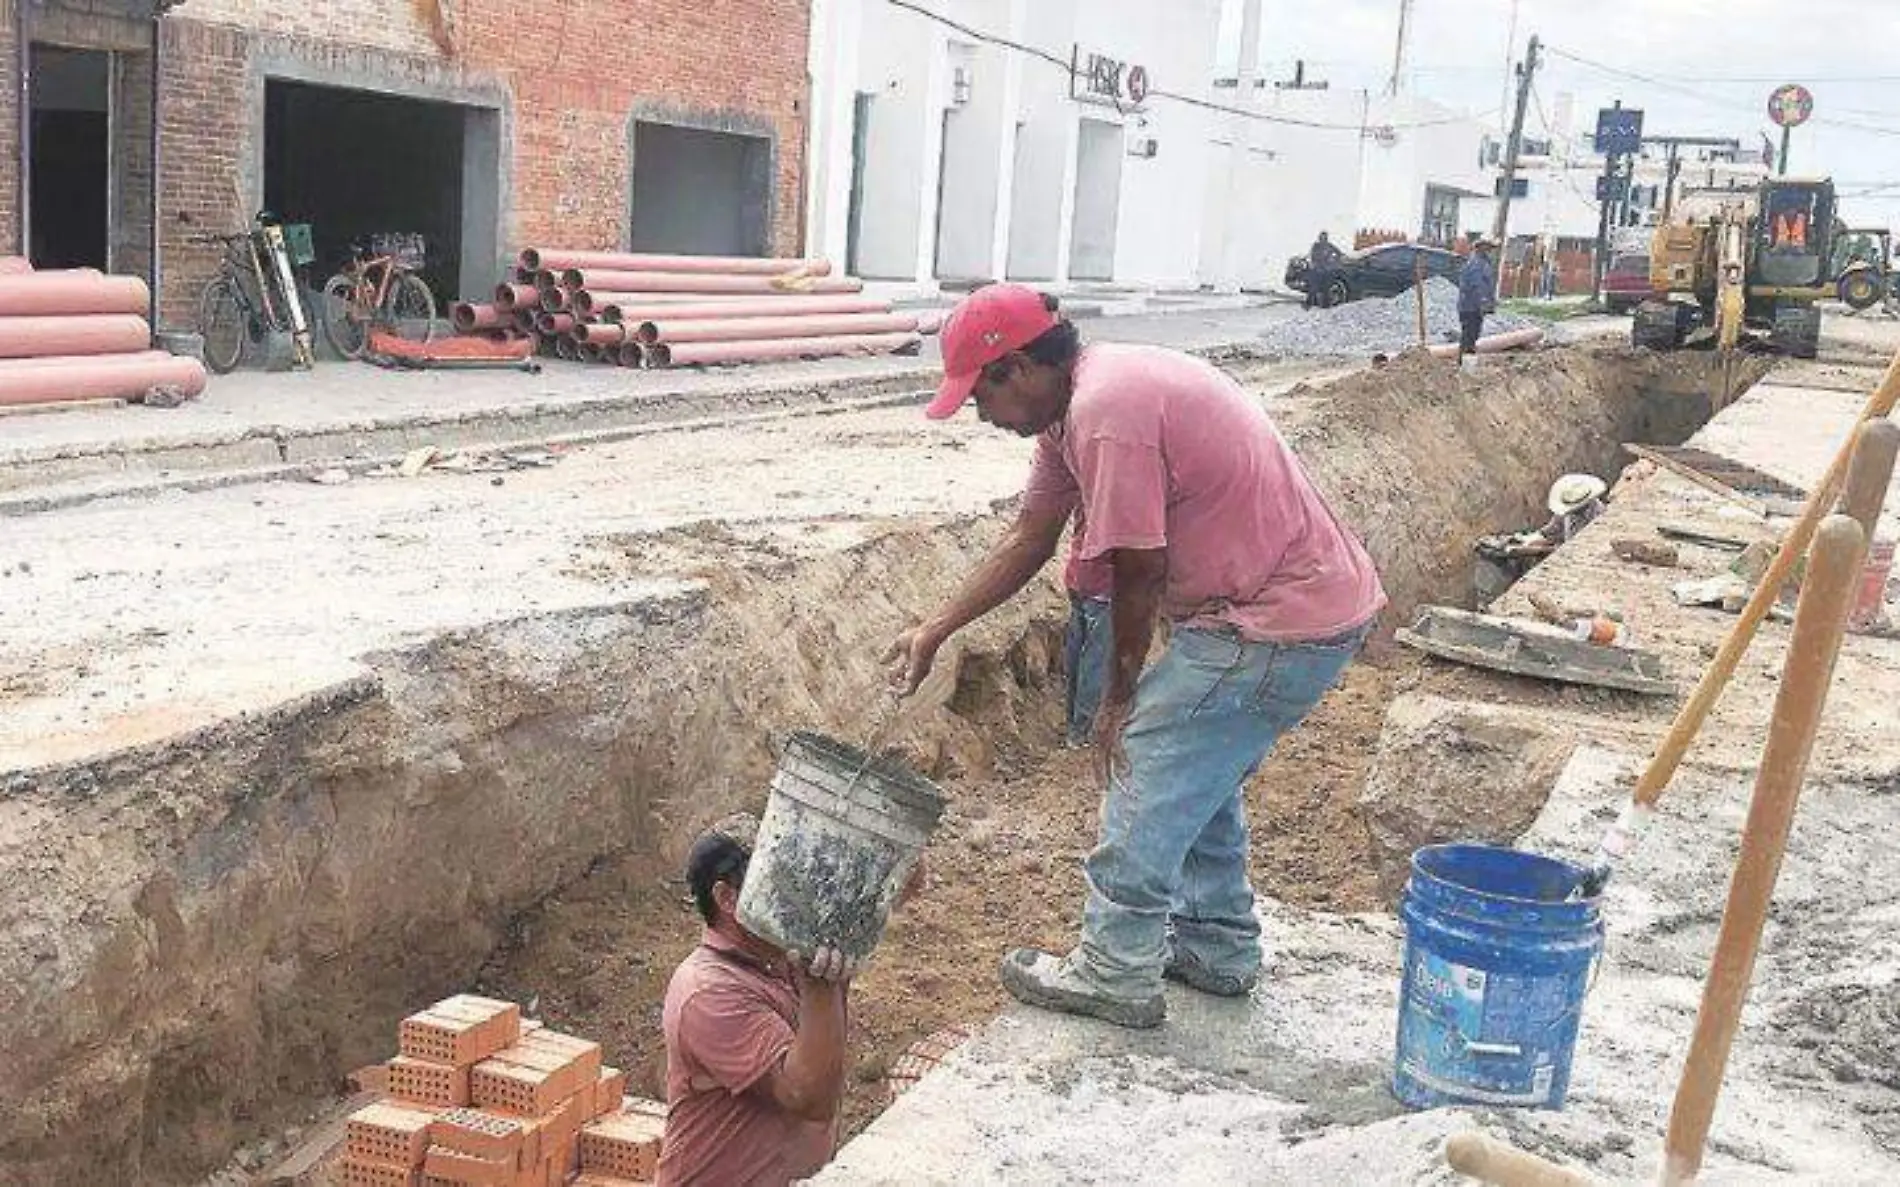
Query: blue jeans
{"type": "Point", "coordinates": [1086, 650]}
{"type": "Point", "coordinates": [1173, 850]}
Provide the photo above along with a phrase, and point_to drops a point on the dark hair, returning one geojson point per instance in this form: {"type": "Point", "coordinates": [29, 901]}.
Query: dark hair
{"type": "Point", "coordinates": [1057, 346]}
{"type": "Point", "coordinates": [715, 858]}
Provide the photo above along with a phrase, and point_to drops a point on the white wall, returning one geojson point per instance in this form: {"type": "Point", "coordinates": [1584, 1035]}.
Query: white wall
{"type": "Point", "coordinates": [1443, 151]}
{"type": "Point", "coordinates": [1296, 182]}
{"type": "Point", "coordinates": [1045, 152]}
{"type": "Point", "coordinates": [900, 64]}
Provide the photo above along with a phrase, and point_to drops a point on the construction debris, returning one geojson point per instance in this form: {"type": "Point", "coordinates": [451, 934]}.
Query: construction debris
{"type": "Point", "coordinates": [476, 1094]}
{"type": "Point", "coordinates": [1536, 650]}
{"type": "Point", "coordinates": [1645, 552]}
{"type": "Point", "coordinates": [429, 458]}
{"type": "Point", "coordinates": [1376, 325]}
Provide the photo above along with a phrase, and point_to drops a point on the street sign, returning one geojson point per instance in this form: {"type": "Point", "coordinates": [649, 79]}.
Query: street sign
{"type": "Point", "coordinates": [1098, 78]}
{"type": "Point", "coordinates": [1790, 106]}
{"type": "Point", "coordinates": [1619, 131]}
{"type": "Point", "coordinates": [1612, 189]}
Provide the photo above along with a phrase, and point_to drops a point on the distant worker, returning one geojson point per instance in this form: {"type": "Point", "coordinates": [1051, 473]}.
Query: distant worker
{"type": "Point", "coordinates": [1477, 294]}
{"type": "Point", "coordinates": [755, 1039]}
{"type": "Point", "coordinates": [1575, 500]}
{"type": "Point", "coordinates": [1323, 254]}
{"type": "Point", "coordinates": [1791, 230]}
{"type": "Point", "coordinates": [1199, 513]}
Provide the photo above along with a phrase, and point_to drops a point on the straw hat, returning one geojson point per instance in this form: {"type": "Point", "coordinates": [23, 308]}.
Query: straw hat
{"type": "Point", "coordinates": [1575, 490]}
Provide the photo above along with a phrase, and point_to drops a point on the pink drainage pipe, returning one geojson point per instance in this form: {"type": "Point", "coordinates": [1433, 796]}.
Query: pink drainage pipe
{"type": "Point", "coordinates": [468, 318]}
{"type": "Point", "coordinates": [686, 354]}
{"type": "Point", "coordinates": [621, 261]}
{"type": "Point", "coordinates": [1511, 340]}
{"type": "Point", "coordinates": [596, 302]}
{"type": "Point", "coordinates": [15, 265]}
{"type": "Point", "coordinates": [55, 294]}
{"type": "Point", "coordinates": [631, 354]}
{"type": "Point", "coordinates": [554, 323]}
{"type": "Point", "coordinates": [702, 282]}
{"type": "Point", "coordinates": [601, 333]}
{"type": "Point", "coordinates": [556, 300]}
{"type": "Point", "coordinates": [99, 377]}
{"type": "Point", "coordinates": [753, 329]}
{"type": "Point", "coordinates": [100, 333]}
{"type": "Point", "coordinates": [517, 296]}
{"type": "Point", "coordinates": [637, 307]}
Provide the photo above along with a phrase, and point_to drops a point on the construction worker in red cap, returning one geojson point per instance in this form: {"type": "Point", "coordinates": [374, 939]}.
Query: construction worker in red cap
{"type": "Point", "coordinates": [1204, 517]}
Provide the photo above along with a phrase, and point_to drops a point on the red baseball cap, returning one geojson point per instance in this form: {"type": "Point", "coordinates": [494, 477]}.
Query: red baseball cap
{"type": "Point", "coordinates": [989, 323]}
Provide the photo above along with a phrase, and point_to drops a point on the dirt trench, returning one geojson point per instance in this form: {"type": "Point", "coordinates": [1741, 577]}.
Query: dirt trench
{"type": "Point", "coordinates": [210, 933]}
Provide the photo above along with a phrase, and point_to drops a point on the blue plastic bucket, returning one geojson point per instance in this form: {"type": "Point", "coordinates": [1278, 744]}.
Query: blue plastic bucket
{"type": "Point", "coordinates": [1497, 963]}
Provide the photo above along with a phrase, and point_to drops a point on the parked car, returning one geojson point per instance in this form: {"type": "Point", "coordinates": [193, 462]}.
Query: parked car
{"type": "Point", "coordinates": [1383, 271]}
{"type": "Point", "coordinates": [1626, 282]}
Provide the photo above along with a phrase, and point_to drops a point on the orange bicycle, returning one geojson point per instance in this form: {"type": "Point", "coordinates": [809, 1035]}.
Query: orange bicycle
{"type": "Point", "coordinates": [379, 288]}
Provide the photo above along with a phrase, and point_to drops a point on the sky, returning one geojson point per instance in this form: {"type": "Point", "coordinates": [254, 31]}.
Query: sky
{"type": "Point", "coordinates": [1710, 64]}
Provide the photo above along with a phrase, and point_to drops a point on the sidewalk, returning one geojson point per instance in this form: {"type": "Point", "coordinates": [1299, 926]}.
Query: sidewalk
{"type": "Point", "coordinates": [341, 410]}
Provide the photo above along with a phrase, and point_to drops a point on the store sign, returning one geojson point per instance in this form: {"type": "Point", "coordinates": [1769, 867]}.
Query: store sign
{"type": "Point", "coordinates": [1619, 131]}
{"type": "Point", "coordinates": [1791, 106]}
{"type": "Point", "coordinates": [1098, 78]}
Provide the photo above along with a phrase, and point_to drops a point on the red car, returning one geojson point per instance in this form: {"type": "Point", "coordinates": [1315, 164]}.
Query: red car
{"type": "Point", "coordinates": [1626, 283]}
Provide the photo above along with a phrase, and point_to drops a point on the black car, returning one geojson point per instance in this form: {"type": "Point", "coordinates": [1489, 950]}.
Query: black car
{"type": "Point", "coordinates": [1383, 271]}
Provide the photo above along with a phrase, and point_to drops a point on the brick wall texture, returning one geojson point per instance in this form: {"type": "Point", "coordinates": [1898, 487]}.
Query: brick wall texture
{"type": "Point", "coordinates": [9, 134]}
{"type": "Point", "coordinates": [573, 73]}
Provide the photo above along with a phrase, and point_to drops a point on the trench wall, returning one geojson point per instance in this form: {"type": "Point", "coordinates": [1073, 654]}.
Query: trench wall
{"type": "Point", "coordinates": [206, 935]}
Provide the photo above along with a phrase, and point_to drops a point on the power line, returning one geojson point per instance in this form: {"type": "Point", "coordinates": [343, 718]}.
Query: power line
{"type": "Point", "coordinates": [1068, 67]}
{"type": "Point", "coordinates": [1703, 97]}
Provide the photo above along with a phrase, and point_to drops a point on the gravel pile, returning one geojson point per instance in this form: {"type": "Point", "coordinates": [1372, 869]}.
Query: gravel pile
{"type": "Point", "coordinates": [1358, 329]}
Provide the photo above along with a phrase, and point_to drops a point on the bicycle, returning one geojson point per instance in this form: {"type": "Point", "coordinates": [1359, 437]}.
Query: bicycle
{"type": "Point", "coordinates": [378, 288]}
{"type": "Point", "coordinates": [235, 309]}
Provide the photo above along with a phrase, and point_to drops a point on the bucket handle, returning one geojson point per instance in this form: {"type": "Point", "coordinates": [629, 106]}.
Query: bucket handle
{"type": "Point", "coordinates": [1516, 1050]}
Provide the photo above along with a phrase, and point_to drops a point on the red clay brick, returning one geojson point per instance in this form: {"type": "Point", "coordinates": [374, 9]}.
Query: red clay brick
{"type": "Point", "coordinates": [359, 1172]}
{"type": "Point", "coordinates": [389, 1133]}
{"type": "Point", "coordinates": [437, 1085]}
{"type": "Point", "coordinates": [514, 1089]}
{"type": "Point", "coordinates": [446, 1038]}
{"type": "Point", "coordinates": [609, 1090]}
{"type": "Point", "coordinates": [485, 1135]}
{"type": "Point", "coordinates": [582, 1051]}
{"type": "Point", "coordinates": [456, 1167]}
{"type": "Point", "coordinates": [622, 1144]}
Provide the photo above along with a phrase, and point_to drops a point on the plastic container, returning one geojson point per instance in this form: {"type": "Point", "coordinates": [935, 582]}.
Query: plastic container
{"type": "Point", "coordinates": [840, 835]}
{"type": "Point", "coordinates": [1870, 600]}
{"type": "Point", "coordinates": [1497, 964]}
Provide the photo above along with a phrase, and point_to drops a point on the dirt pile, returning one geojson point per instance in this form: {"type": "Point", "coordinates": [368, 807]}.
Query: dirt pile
{"type": "Point", "coordinates": [1376, 325]}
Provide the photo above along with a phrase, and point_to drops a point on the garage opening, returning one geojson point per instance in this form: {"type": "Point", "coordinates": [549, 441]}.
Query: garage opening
{"type": "Point", "coordinates": [699, 192]}
{"type": "Point", "coordinates": [355, 163]}
{"type": "Point", "coordinates": [71, 157]}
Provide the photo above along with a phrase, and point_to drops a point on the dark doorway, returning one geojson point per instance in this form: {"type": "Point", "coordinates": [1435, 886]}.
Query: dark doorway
{"type": "Point", "coordinates": [697, 192]}
{"type": "Point", "coordinates": [70, 161]}
{"type": "Point", "coordinates": [354, 164]}
{"type": "Point", "coordinates": [860, 135]}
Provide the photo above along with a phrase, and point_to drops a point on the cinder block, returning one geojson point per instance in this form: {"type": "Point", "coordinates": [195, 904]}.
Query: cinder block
{"type": "Point", "coordinates": [608, 1091]}
{"type": "Point", "coordinates": [457, 1167]}
{"type": "Point", "coordinates": [623, 1144]}
{"type": "Point", "coordinates": [389, 1133]}
{"type": "Point", "coordinates": [421, 1082]}
{"type": "Point", "coordinates": [485, 1135]}
{"type": "Point", "coordinates": [358, 1172]}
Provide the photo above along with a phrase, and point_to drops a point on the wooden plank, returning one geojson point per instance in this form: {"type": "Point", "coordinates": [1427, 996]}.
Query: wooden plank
{"type": "Point", "coordinates": [1689, 473]}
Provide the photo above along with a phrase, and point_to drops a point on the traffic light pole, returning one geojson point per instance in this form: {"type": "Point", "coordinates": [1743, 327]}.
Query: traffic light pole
{"type": "Point", "coordinates": [1605, 200]}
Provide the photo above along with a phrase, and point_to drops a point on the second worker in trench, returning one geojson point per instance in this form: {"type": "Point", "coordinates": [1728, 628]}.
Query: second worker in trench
{"type": "Point", "coordinates": [1203, 516]}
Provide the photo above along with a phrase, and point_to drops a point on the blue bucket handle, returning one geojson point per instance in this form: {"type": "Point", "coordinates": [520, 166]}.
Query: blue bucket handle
{"type": "Point", "coordinates": [1515, 1050]}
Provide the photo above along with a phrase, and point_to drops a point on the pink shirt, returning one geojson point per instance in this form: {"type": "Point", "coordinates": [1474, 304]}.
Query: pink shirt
{"type": "Point", "coordinates": [729, 1022]}
{"type": "Point", "coordinates": [1162, 450]}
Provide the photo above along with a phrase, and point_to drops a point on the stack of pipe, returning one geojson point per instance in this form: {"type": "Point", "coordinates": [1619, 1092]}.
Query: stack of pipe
{"type": "Point", "coordinates": [644, 310]}
{"type": "Point", "coordinates": [80, 335]}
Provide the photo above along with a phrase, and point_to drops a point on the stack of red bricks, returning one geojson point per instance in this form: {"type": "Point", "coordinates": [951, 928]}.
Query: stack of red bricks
{"type": "Point", "coordinates": [478, 1096]}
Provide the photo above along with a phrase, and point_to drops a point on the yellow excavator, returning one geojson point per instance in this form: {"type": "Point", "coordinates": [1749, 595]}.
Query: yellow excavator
{"type": "Point", "coordinates": [1761, 261]}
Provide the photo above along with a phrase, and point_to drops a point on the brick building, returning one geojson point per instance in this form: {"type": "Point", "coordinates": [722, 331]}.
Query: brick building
{"type": "Point", "coordinates": [667, 125]}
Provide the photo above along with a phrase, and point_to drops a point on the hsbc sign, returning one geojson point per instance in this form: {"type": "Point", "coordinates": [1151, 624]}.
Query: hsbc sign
{"type": "Point", "coordinates": [1098, 78]}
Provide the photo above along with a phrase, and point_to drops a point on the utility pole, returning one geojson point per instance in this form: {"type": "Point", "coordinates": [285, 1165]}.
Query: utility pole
{"type": "Point", "coordinates": [1398, 50]}
{"type": "Point", "coordinates": [1298, 81]}
{"type": "Point", "coordinates": [1526, 71]}
{"type": "Point", "coordinates": [1605, 201]}
{"type": "Point", "coordinates": [1230, 271]}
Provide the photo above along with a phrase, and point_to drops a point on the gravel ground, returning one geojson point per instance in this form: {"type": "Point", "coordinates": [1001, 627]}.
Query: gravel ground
{"type": "Point", "coordinates": [1375, 324]}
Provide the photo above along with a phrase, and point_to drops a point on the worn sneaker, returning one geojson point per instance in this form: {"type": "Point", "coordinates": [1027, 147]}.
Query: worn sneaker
{"type": "Point", "coordinates": [1189, 971]}
{"type": "Point", "coordinates": [1039, 979]}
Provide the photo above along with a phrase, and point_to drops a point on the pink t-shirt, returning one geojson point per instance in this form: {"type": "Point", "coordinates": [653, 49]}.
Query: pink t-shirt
{"type": "Point", "coordinates": [729, 1022]}
{"type": "Point", "coordinates": [1162, 450]}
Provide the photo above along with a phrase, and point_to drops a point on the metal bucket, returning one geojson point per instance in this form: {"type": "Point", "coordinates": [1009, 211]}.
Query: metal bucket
{"type": "Point", "coordinates": [1497, 964]}
{"type": "Point", "coordinates": [841, 834]}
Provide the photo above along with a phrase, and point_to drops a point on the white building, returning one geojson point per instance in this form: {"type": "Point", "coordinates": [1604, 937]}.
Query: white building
{"type": "Point", "coordinates": [939, 155]}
